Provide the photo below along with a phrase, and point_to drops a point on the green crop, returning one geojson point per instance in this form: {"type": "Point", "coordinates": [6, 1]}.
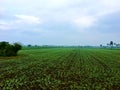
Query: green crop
{"type": "Point", "coordinates": [61, 69]}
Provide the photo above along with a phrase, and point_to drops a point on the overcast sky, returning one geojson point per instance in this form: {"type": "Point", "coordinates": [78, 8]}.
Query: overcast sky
{"type": "Point", "coordinates": [60, 22]}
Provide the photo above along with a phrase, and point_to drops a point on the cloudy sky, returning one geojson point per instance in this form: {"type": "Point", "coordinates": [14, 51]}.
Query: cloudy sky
{"type": "Point", "coordinates": [60, 22]}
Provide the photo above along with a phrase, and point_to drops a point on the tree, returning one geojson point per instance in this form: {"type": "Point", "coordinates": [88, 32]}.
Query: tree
{"type": "Point", "coordinates": [101, 45]}
{"type": "Point", "coordinates": [3, 44]}
{"type": "Point", "coordinates": [111, 44]}
{"type": "Point", "coordinates": [7, 49]}
{"type": "Point", "coordinates": [17, 47]}
{"type": "Point", "coordinates": [29, 45]}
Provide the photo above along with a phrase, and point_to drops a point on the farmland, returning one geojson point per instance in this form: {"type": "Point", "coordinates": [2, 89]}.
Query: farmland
{"type": "Point", "coordinates": [61, 69]}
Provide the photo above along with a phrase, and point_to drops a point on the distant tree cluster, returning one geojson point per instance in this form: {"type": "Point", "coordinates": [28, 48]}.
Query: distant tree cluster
{"type": "Point", "coordinates": [7, 49]}
{"type": "Point", "coordinates": [113, 45]}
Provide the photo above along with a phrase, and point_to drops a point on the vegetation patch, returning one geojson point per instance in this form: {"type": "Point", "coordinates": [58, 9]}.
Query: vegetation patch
{"type": "Point", "coordinates": [7, 49]}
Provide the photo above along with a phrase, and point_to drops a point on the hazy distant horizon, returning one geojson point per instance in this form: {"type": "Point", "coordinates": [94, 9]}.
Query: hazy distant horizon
{"type": "Point", "coordinates": [60, 22]}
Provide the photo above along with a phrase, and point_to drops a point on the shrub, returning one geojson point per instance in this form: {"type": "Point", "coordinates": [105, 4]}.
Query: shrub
{"type": "Point", "coordinates": [17, 47]}
{"type": "Point", "coordinates": [7, 49]}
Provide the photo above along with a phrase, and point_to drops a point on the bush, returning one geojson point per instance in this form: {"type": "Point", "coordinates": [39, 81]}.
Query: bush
{"type": "Point", "coordinates": [7, 49]}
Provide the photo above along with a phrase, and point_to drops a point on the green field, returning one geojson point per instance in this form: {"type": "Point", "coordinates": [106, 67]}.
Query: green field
{"type": "Point", "coordinates": [61, 69]}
